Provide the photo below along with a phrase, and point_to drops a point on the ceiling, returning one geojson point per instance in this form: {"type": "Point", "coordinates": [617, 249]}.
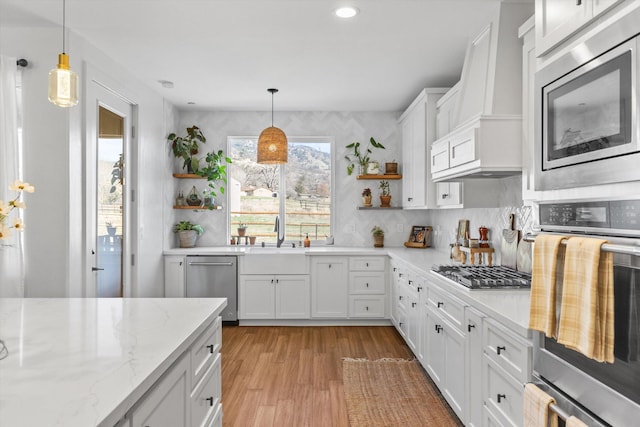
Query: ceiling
{"type": "Point", "coordinates": [224, 54]}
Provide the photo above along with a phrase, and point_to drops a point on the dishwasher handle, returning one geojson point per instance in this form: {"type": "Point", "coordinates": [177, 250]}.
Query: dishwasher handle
{"type": "Point", "coordinates": [229, 264]}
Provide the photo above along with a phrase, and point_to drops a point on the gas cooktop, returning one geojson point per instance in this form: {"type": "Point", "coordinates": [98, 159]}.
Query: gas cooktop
{"type": "Point", "coordinates": [484, 276]}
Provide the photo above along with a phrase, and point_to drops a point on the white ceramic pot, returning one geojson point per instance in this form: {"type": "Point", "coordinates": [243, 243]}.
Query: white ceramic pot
{"type": "Point", "coordinates": [187, 238]}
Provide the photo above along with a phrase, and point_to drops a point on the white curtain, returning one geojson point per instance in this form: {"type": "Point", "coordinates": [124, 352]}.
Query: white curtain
{"type": "Point", "coordinates": [11, 254]}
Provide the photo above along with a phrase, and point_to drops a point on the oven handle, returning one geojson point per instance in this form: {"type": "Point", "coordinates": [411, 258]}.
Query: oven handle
{"type": "Point", "coordinates": [606, 247]}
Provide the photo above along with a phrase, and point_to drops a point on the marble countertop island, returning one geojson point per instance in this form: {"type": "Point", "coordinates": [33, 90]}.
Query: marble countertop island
{"type": "Point", "coordinates": [85, 362]}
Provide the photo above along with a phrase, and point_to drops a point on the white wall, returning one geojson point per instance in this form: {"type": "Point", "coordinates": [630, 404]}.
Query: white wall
{"type": "Point", "coordinates": [53, 162]}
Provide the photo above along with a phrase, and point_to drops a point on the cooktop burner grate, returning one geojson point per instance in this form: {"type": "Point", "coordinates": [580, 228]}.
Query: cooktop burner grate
{"type": "Point", "coordinates": [485, 277]}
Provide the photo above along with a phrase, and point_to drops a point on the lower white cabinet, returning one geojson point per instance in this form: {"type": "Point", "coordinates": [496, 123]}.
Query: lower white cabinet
{"type": "Point", "coordinates": [174, 276]}
{"type": "Point", "coordinates": [284, 296]}
{"type": "Point", "coordinates": [473, 325]}
{"type": "Point", "coordinates": [329, 287]}
{"type": "Point", "coordinates": [189, 393]}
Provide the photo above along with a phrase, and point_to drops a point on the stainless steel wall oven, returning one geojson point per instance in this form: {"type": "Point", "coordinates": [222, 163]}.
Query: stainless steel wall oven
{"type": "Point", "coordinates": [587, 103]}
{"type": "Point", "coordinates": [598, 393]}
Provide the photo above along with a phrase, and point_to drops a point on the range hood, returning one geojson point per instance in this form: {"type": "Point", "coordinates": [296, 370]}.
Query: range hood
{"type": "Point", "coordinates": [486, 137]}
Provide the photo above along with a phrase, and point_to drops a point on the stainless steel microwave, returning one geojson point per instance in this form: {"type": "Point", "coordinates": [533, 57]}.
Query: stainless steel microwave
{"type": "Point", "coordinates": [587, 127]}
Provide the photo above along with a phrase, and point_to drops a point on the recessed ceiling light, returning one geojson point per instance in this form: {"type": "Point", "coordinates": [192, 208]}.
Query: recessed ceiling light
{"type": "Point", "coordinates": [166, 83]}
{"type": "Point", "coordinates": [346, 12]}
{"type": "Point", "coordinates": [191, 103]}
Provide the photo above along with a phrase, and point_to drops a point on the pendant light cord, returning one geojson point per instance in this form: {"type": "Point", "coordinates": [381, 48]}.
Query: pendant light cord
{"type": "Point", "coordinates": [272, 109]}
{"type": "Point", "coordinates": [64, 14]}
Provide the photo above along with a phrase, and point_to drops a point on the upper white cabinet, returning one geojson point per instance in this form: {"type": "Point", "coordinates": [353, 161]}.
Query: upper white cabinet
{"type": "Point", "coordinates": [557, 20]}
{"type": "Point", "coordinates": [527, 34]}
{"type": "Point", "coordinates": [484, 132]}
{"type": "Point", "coordinates": [445, 110]}
{"type": "Point", "coordinates": [418, 131]}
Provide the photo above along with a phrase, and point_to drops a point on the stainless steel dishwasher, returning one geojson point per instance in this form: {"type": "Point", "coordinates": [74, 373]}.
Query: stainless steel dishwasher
{"type": "Point", "coordinates": [215, 277]}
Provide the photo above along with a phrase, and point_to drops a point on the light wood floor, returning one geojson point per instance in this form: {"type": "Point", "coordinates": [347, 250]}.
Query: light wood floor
{"type": "Point", "coordinates": [292, 376]}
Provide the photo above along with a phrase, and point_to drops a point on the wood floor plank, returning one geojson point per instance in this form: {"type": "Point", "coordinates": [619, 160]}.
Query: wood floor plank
{"type": "Point", "coordinates": [292, 376]}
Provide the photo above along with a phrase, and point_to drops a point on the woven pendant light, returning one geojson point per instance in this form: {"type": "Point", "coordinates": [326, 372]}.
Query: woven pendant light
{"type": "Point", "coordinates": [272, 143]}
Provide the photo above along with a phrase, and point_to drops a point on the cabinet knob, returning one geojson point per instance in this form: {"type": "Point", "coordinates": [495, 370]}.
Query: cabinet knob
{"type": "Point", "coordinates": [409, 199]}
{"type": "Point", "coordinates": [438, 328]}
{"type": "Point", "coordinates": [399, 274]}
{"type": "Point", "coordinates": [440, 304]}
{"type": "Point", "coordinates": [499, 349]}
{"type": "Point", "coordinates": [400, 297]}
{"type": "Point", "coordinates": [410, 282]}
{"type": "Point", "coordinates": [367, 308]}
{"type": "Point", "coordinates": [445, 195]}
{"type": "Point", "coordinates": [500, 397]}
{"type": "Point", "coordinates": [367, 285]}
{"type": "Point", "coordinates": [211, 347]}
{"type": "Point", "coordinates": [470, 327]}
{"type": "Point", "coordinates": [367, 264]}
{"type": "Point", "coordinates": [400, 324]}
{"type": "Point", "coordinates": [413, 304]}
{"type": "Point", "coordinates": [210, 400]}
{"type": "Point", "coordinates": [329, 265]}
{"type": "Point", "coordinates": [419, 288]}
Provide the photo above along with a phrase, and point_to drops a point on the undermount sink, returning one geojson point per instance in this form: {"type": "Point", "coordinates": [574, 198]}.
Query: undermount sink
{"type": "Point", "coordinates": [271, 260]}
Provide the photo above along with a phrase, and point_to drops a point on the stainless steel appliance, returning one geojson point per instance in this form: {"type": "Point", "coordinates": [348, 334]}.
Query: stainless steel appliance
{"type": "Point", "coordinates": [587, 105]}
{"type": "Point", "coordinates": [598, 393]}
{"type": "Point", "coordinates": [215, 277]}
{"type": "Point", "coordinates": [484, 276]}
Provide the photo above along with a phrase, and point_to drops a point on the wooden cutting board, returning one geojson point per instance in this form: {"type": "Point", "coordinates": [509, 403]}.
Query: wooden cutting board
{"type": "Point", "coordinates": [524, 257]}
{"type": "Point", "coordinates": [509, 244]}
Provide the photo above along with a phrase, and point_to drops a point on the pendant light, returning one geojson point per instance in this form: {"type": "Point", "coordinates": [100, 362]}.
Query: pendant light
{"type": "Point", "coordinates": [272, 143]}
{"type": "Point", "coordinates": [63, 82]}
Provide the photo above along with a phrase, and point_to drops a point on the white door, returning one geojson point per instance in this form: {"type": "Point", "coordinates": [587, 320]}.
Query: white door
{"type": "Point", "coordinates": [107, 193]}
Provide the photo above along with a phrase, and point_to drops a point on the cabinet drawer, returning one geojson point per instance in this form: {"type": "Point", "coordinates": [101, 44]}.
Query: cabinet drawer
{"type": "Point", "coordinates": [440, 156]}
{"type": "Point", "coordinates": [364, 282]}
{"type": "Point", "coordinates": [204, 350]}
{"type": "Point", "coordinates": [366, 306]}
{"type": "Point", "coordinates": [462, 148]}
{"type": "Point", "coordinates": [509, 351]}
{"type": "Point", "coordinates": [503, 394]}
{"type": "Point", "coordinates": [449, 306]}
{"type": "Point", "coordinates": [367, 263]}
{"type": "Point", "coordinates": [206, 395]}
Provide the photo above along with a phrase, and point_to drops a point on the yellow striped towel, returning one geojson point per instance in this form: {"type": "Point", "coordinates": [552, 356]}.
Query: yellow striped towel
{"type": "Point", "coordinates": [586, 311]}
{"type": "Point", "coordinates": [542, 309]}
{"type": "Point", "coordinates": [536, 407]}
{"type": "Point", "coordinates": [575, 422]}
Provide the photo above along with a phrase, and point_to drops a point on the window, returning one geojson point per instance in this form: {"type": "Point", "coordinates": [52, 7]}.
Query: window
{"type": "Point", "coordinates": [299, 192]}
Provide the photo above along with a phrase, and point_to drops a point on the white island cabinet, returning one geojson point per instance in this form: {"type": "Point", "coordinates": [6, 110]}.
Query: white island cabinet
{"type": "Point", "coordinates": [112, 361]}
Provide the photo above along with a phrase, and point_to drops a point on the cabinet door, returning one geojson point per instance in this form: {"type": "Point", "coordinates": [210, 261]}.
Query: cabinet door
{"type": "Point", "coordinates": [257, 297]}
{"type": "Point", "coordinates": [449, 193]}
{"type": "Point", "coordinates": [473, 325]}
{"type": "Point", "coordinates": [418, 155]}
{"type": "Point", "coordinates": [329, 287]}
{"type": "Point", "coordinates": [455, 375]}
{"type": "Point", "coordinates": [292, 297]}
{"type": "Point", "coordinates": [556, 20]}
{"type": "Point", "coordinates": [167, 402]}
{"type": "Point", "coordinates": [174, 277]}
{"type": "Point", "coordinates": [462, 148]}
{"type": "Point", "coordinates": [435, 348]}
{"type": "Point", "coordinates": [407, 163]}
{"type": "Point", "coordinates": [207, 394]}
{"type": "Point", "coordinates": [440, 156]}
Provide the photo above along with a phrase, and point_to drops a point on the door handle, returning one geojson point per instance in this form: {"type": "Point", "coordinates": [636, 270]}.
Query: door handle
{"type": "Point", "coordinates": [96, 269]}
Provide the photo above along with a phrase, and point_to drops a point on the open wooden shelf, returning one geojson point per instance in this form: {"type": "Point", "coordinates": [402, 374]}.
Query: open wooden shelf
{"type": "Point", "coordinates": [187, 176]}
{"type": "Point", "coordinates": [377, 208]}
{"type": "Point", "coordinates": [380, 176]}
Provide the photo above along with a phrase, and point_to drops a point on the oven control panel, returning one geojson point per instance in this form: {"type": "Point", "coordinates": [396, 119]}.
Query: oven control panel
{"type": "Point", "coordinates": [612, 215]}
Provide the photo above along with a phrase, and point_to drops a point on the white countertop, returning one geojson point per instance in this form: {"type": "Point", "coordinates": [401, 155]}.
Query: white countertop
{"type": "Point", "coordinates": [84, 362]}
{"type": "Point", "coordinates": [248, 249]}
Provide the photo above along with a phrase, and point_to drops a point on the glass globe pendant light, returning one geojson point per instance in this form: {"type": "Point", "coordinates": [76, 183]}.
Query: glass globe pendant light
{"type": "Point", "coordinates": [272, 143]}
{"type": "Point", "coordinates": [63, 81]}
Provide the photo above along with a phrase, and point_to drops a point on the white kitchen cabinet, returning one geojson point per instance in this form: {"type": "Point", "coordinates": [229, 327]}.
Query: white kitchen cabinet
{"type": "Point", "coordinates": [329, 287]}
{"type": "Point", "coordinates": [503, 394]}
{"type": "Point", "coordinates": [449, 194]}
{"type": "Point", "coordinates": [367, 287]}
{"type": "Point", "coordinates": [206, 395]}
{"type": "Point", "coordinates": [399, 298]}
{"type": "Point", "coordinates": [473, 325]}
{"type": "Point", "coordinates": [557, 20]}
{"type": "Point", "coordinates": [174, 276]}
{"type": "Point", "coordinates": [167, 403]}
{"type": "Point", "coordinates": [527, 34]}
{"type": "Point", "coordinates": [274, 296]}
{"type": "Point", "coordinates": [418, 131]}
{"type": "Point", "coordinates": [446, 108]}
{"type": "Point", "coordinates": [367, 306]}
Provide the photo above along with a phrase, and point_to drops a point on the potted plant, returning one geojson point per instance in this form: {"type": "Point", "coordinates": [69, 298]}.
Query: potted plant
{"type": "Point", "coordinates": [385, 196]}
{"type": "Point", "coordinates": [378, 236]}
{"type": "Point", "coordinates": [215, 171]}
{"type": "Point", "coordinates": [391, 168]}
{"type": "Point", "coordinates": [187, 233]}
{"type": "Point", "coordinates": [366, 197]}
{"type": "Point", "coordinates": [242, 229]}
{"type": "Point", "coordinates": [186, 147]}
{"type": "Point", "coordinates": [360, 156]}
{"type": "Point", "coordinates": [111, 229]}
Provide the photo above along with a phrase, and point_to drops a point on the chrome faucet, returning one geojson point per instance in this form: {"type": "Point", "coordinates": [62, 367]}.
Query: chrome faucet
{"type": "Point", "coordinates": [277, 230]}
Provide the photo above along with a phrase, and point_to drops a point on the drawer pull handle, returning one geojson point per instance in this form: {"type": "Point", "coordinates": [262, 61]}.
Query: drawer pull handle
{"type": "Point", "coordinates": [419, 288]}
{"type": "Point", "coordinates": [500, 397]}
{"type": "Point", "coordinates": [394, 268]}
{"type": "Point", "coordinates": [470, 327]}
{"type": "Point", "coordinates": [399, 274]}
{"type": "Point", "coordinates": [410, 282]}
{"type": "Point", "coordinates": [440, 304]}
{"type": "Point", "coordinates": [367, 285]}
{"type": "Point", "coordinates": [367, 308]}
{"type": "Point", "coordinates": [409, 199]}
{"type": "Point", "coordinates": [210, 400]}
{"type": "Point", "coordinates": [329, 265]}
{"type": "Point", "coordinates": [367, 264]}
{"type": "Point", "coordinates": [438, 328]}
{"type": "Point", "coordinates": [400, 324]}
{"type": "Point", "coordinates": [400, 297]}
{"type": "Point", "coordinates": [211, 347]}
{"type": "Point", "coordinates": [413, 304]}
{"type": "Point", "coordinates": [445, 195]}
{"type": "Point", "coordinates": [578, 2]}
{"type": "Point", "coordinates": [500, 348]}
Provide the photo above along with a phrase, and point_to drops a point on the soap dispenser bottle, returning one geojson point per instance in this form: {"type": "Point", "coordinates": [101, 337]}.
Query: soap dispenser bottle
{"type": "Point", "coordinates": [307, 242]}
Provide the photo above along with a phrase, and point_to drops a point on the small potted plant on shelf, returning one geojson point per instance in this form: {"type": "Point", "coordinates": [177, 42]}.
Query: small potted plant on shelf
{"type": "Point", "coordinates": [187, 233]}
{"type": "Point", "coordinates": [242, 229]}
{"type": "Point", "coordinates": [186, 147]}
{"type": "Point", "coordinates": [378, 236]}
{"type": "Point", "coordinates": [360, 156]}
{"type": "Point", "coordinates": [391, 168]}
{"type": "Point", "coordinates": [385, 196]}
{"type": "Point", "coordinates": [111, 229]}
{"type": "Point", "coordinates": [215, 171]}
{"type": "Point", "coordinates": [366, 197]}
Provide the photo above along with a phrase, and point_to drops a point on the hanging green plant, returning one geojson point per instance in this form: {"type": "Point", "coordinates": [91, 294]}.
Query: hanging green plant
{"type": "Point", "coordinates": [186, 147]}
